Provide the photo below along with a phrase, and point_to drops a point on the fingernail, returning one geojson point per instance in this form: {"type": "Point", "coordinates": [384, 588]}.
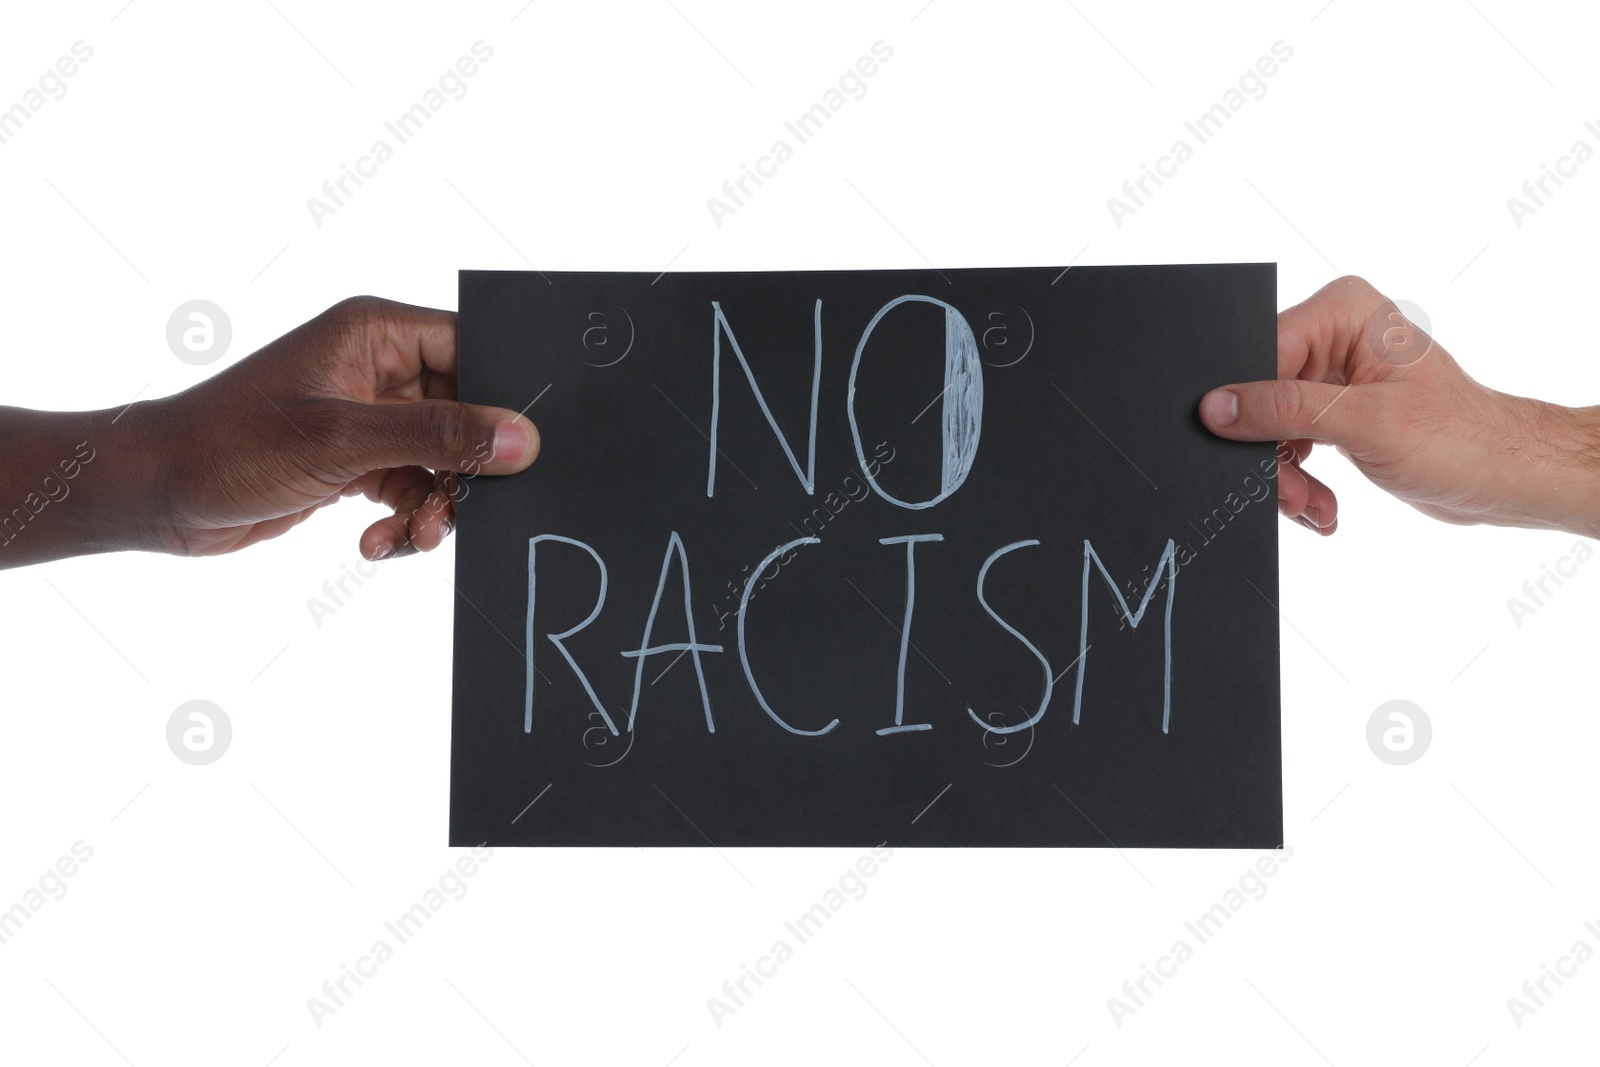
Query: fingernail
{"type": "Point", "coordinates": [1313, 516]}
{"type": "Point", "coordinates": [1303, 521]}
{"type": "Point", "coordinates": [510, 441]}
{"type": "Point", "coordinates": [1222, 407]}
{"type": "Point", "coordinates": [383, 552]}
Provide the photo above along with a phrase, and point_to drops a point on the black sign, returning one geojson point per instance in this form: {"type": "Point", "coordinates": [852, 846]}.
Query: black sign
{"type": "Point", "coordinates": [846, 557]}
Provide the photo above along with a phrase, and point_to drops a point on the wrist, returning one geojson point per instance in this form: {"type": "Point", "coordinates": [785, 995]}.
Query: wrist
{"type": "Point", "coordinates": [79, 482]}
{"type": "Point", "coordinates": [1565, 453]}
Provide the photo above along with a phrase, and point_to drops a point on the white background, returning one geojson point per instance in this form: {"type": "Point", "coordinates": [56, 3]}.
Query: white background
{"type": "Point", "coordinates": [220, 898]}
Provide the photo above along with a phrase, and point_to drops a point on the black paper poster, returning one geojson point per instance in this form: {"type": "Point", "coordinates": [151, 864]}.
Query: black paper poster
{"type": "Point", "coordinates": [845, 557]}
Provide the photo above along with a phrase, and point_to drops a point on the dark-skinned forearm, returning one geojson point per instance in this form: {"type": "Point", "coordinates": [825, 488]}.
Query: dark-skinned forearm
{"type": "Point", "coordinates": [77, 482]}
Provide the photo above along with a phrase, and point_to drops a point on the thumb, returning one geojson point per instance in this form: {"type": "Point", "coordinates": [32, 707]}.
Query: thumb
{"type": "Point", "coordinates": [1286, 410]}
{"type": "Point", "coordinates": [444, 435]}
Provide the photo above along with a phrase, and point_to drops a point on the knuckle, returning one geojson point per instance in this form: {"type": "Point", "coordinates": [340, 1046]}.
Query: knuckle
{"type": "Point", "coordinates": [449, 426]}
{"type": "Point", "coordinates": [354, 316]}
{"type": "Point", "coordinates": [1355, 295]}
{"type": "Point", "coordinates": [1355, 288]}
{"type": "Point", "coordinates": [355, 307]}
{"type": "Point", "coordinates": [1288, 405]}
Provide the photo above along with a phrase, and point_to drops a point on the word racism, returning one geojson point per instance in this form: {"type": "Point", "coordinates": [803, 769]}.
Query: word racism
{"type": "Point", "coordinates": [1252, 886]}
{"type": "Point", "coordinates": [833, 505]}
{"type": "Point", "coordinates": [852, 886]}
{"type": "Point", "coordinates": [1252, 490]}
{"type": "Point", "coordinates": [1566, 567]}
{"type": "Point", "coordinates": [52, 86]}
{"type": "Point", "coordinates": [1566, 167]}
{"type": "Point", "coordinates": [1205, 126]}
{"type": "Point", "coordinates": [405, 126]}
{"type": "Point", "coordinates": [452, 885]}
{"type": "Point", "coordinates": [804, 127]}
{"type": "Point", "coordinates": [962, 401]}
